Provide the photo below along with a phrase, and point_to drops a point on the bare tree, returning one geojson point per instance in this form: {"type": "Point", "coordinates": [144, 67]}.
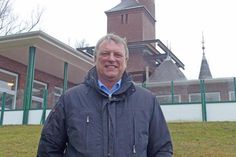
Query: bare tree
{"type": "Point", "coordinates": [82, 43]}
{"type": "Point", "coordinates": [10, 23]}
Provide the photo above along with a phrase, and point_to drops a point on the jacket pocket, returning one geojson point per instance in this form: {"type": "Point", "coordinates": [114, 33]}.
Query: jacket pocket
{"type": "Point", "coordinates": [141, 131]}
{"type": "Point", "coordinates": [78, 131]}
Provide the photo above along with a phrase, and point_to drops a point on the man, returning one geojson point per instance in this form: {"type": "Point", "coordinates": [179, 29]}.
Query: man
{"type": "Point", "coordinates": [106, 115]}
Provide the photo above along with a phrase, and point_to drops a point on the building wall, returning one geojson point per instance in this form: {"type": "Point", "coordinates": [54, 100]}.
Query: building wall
{"type": "Point", "coordinates": [132, 30]}
{"type": "Point", "coordinates": [138, 27]}
{"type": "Point", "coordinates": [21, 69]}
{"type": "Point", "coordinates": [222, 88]}
{"type": "Point", "coordinates": [136, 62]}
{"type": "Point", "coordinates": [150, 5]}
{"type": "Point", "coordinates": [149, 32]}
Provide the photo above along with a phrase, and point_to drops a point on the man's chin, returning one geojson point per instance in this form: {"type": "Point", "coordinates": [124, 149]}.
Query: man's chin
{"type": "Point", "coordinates": [112, 76]}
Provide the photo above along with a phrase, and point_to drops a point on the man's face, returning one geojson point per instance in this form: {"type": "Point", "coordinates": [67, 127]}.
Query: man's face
{"type": "Point", "coordinates": [110, 61]}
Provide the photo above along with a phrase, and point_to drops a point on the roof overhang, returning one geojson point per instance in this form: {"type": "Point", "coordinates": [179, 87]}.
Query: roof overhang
{"type": "Point", "coordinates": [51, 54]}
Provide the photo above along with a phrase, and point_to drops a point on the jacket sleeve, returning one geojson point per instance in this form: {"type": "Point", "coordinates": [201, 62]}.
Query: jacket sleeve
{"type": "Point", "coordinates": [160, 144]}
{"type": "Point", "coordinates": [53, 138]}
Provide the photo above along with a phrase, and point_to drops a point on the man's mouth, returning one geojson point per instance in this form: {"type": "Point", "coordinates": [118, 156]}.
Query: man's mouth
{"type": "Point", "coordinates": [110, 66]}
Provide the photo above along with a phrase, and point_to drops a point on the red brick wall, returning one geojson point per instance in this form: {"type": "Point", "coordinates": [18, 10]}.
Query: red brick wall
{"type": "Point", "coordinates": [149, 32]}
{"type": "Point", "coordinates": [18, 68]}
{"type": "Point", "coordinates": [132, 30]}
{"type": "Point", "coordinates": [184, 90]}
{"type": "Point", "coordinates": [139, 27]}
{"type": "Point", "coordinates": [21, 70]}
{"type": "Point", "coordinates": [150, 5]}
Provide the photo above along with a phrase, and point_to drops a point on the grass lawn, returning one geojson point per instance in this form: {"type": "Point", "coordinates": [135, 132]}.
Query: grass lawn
{"type": "Point", "coordinates": [19, 141]}
{"type": "Point", "coordinates": [209, 139]}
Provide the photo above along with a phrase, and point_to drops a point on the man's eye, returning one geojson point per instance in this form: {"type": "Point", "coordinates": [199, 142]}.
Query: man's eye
{"type": "Point", "coordinates": [118, 55]}
{"type": "Point", "coordinates": [104, 53]}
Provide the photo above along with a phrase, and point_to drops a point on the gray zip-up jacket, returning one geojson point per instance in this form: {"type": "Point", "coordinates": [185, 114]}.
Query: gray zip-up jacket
{"type": "Point", "coordinates": [87, 123]}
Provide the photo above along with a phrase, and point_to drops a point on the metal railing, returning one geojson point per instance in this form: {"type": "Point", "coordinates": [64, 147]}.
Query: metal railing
{"type": "Point", "coordinates": [221, 90]}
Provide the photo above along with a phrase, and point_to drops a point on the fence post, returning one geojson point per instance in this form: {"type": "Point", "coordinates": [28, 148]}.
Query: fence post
{"type": "Point", "coordinates": [45, 100]}
{"type": "Point", "coordinates": [65, 81]}
{"type": "Point", "coordinates": [144, 85]}
{"type": "Point", "coordinates": [3, 107]}
{"type": "Point", "coordinates": [203, 100]}
{"type": "Point", "coordinates": [29, 84]}
{"type": "Point", "coordinates": [234, 89]}
{"type": "Point", "coordinates": [172, 92]}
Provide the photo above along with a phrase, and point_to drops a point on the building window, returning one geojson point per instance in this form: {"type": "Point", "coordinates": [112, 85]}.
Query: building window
{"type": "Point", "coordinates": [37, 94]}
{"type": "Point", "coordinates": [232, 96]}
{"type": "Point", "coordinates": [196, 97]}
{"type": "Point", "coordinates": [213, 96]}
{"type": "Point", "coordinates": [57, 93]}
{"type": "Point", "coordinates": [8, 84]}
{"type": "Point", "coordinates": [124, 19]}
{"type": "Point", "coordinates": [168, 99]}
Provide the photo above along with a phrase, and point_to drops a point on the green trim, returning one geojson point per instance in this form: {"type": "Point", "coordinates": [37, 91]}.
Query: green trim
{"type": "Point", "coordinates": [3, 107]}
{"type": "Point", "coordinates": [205, 110]}
{"type": "Point", "coordinates": [201, 92]}
{"type": "Point", "coordinates": [45, 101]}
{"type": "Point", "coordinates": [65, 83]}
{"type": "Point", "coordinates": [203, 100]}
{"type": "Point", "coordinates": [193, 103]}
{"type": "Point", "coordinates": [190, 103]}
{"type": "Point", "coordinates": [172, 92]}
{"type": "Point", "coordinates": [144, 84]}
{"type": "Point", "coordinates": [29, 84]}
{"type": "Point", "coordinates": [234, 89]}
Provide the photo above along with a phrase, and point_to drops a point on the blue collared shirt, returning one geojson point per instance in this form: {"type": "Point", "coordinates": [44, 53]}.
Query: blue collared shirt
{"type": "Point", "coordinates": [115, 87]}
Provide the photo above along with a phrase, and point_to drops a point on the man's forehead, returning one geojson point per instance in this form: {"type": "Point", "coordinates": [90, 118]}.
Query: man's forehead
{"type": "Point", "coordinates": [107, 42]}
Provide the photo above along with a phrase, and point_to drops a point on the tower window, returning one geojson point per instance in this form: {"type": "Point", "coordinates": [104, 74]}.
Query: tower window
{"type": "Point", "coordinates": [124, 19]}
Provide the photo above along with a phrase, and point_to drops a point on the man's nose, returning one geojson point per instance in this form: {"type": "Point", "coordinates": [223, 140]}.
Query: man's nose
{"type": "Point", "coordinates": [111, 56]}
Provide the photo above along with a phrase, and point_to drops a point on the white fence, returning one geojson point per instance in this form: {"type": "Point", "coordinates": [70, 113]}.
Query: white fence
{"type": "Point", "coordinates": [183, 112]}
{"type": "Point", "coordinates": [193, 112]}
{"type": "Point", "coordinates": [173, 113]}
{"type": "Point", "coordinates": [16, 117]}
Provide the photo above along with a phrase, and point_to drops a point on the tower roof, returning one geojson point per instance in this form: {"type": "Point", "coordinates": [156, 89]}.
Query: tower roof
{"type": "Point", "coordinates": [125, 4]}
{"type": "Point", "coordinates": [205, 72]}
{"type": "Point", "coordinates": [167, 71]}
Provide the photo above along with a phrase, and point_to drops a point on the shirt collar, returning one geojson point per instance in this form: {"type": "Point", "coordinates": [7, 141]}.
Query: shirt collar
{"type": "Point", "coordinates": [115, 87]}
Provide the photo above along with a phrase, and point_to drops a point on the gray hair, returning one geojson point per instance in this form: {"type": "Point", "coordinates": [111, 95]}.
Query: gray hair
{"type": "Point", "coordinates": [117, 39]}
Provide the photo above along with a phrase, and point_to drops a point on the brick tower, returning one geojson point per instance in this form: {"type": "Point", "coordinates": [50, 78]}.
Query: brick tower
{"type": "Point", "coordinates": [132, 19]}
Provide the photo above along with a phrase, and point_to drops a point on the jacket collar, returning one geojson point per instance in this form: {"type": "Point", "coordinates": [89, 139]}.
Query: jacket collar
{"type": "Point", "coordinates": [127, 85]}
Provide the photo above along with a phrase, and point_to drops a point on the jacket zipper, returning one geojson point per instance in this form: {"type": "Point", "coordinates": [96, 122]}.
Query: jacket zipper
{"type": "Point", "coordinates": [134, 134]}
{"type": "Point", "coordinates": [108, 127]}
{"type": "Point", "coordinates": [87, 125]}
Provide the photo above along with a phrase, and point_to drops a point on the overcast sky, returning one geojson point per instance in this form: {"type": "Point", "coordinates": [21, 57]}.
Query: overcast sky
{"type": "Point", "coordinates": [179, 25]}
